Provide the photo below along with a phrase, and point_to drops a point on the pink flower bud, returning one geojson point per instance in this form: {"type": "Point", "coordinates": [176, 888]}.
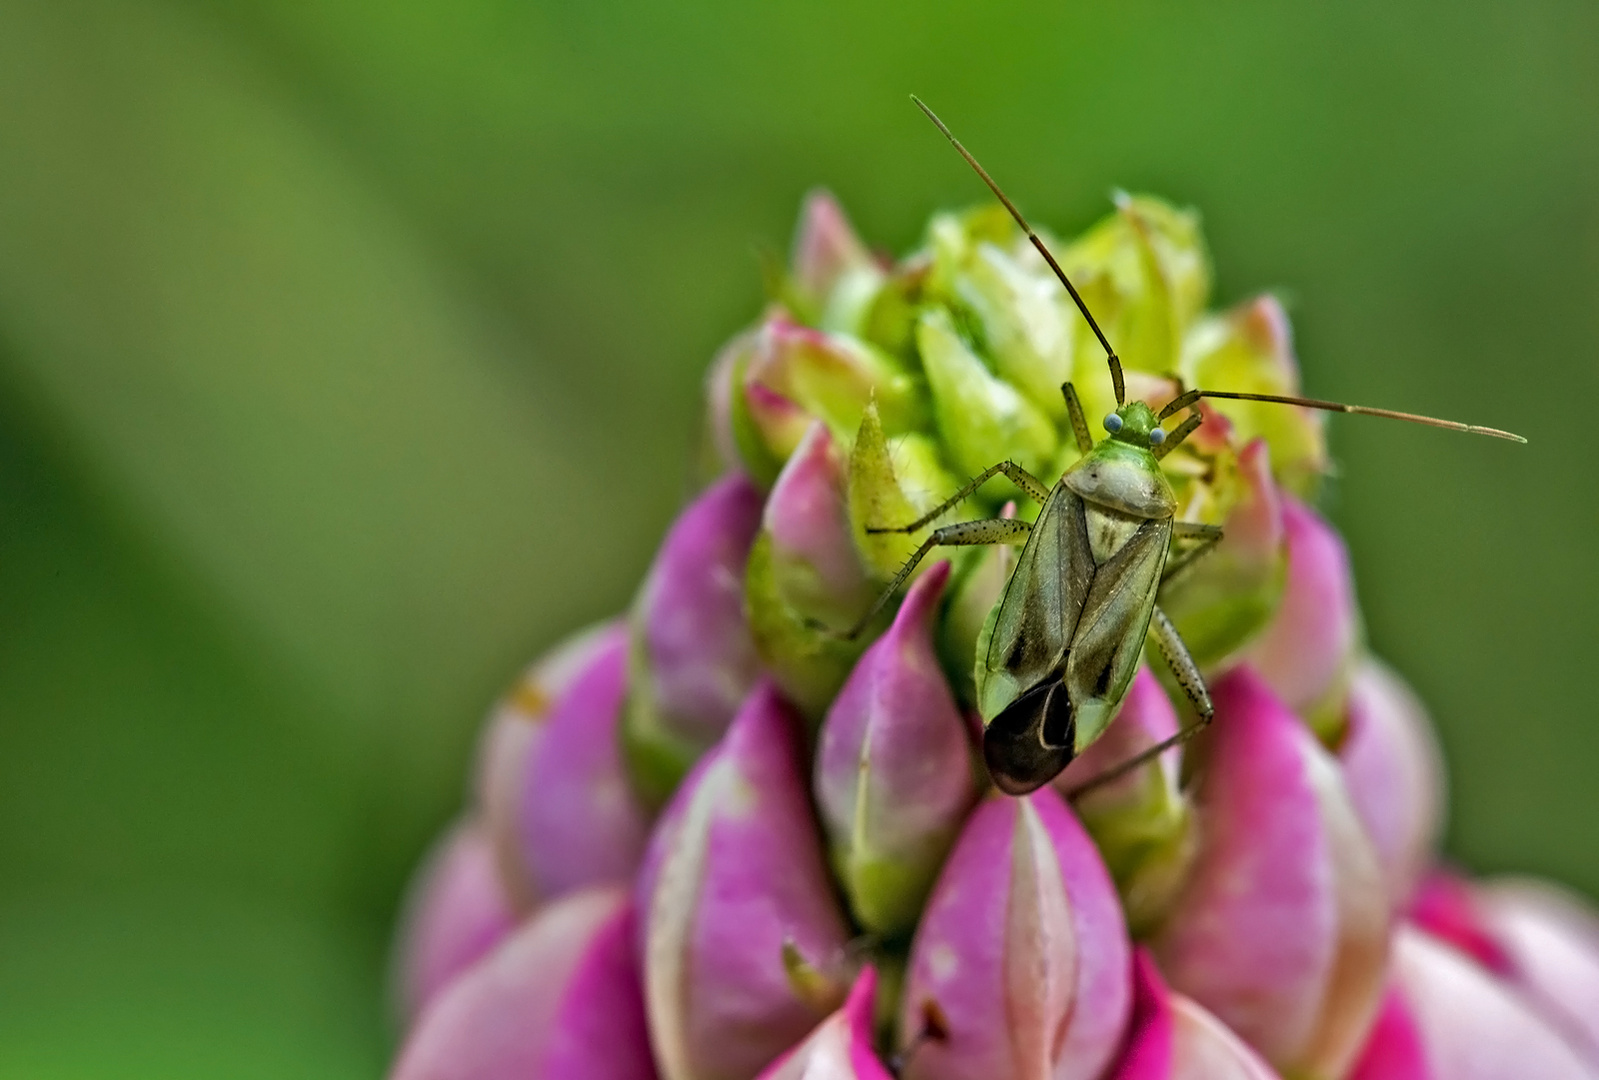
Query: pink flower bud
{"type": "Point", "coordinates": [1142, 822]}
{"type": "Point", "coordinates": [692, 657]}
{"type": "Point", "coordinates": [724, 380]}
{"type": "Point", "coordinates": [1394, 773]}
{"type": "Point", "coordinates": [1283, 926]}
{"type": "Point", "coordinates": [572, 819]}
{"type": "Point", "coordinates": [1022, 951]}
{"type": "Point", "coordinates": [1250, 348]}
{"type": "Point", "coordinates": [805, 575]}
{"type": "Point", "coordinates": [456, 913]}
{"type": "Point", "coordinates": [768, 426]}
{"type": "Point", "coordinates": [509, 742]}
{"type": "Point", "coordinates": [894, 770]}
{"type": "Point", "coordinates": [1170, 1037]}
{"type": "Point", "coordinates": [1540, 943]}
{"type": "Point", "coordinates": [826, 249]}
{"type": "Point", "coordinates": [815, 567]}
{"type": "Point", "coordinates": [558, 1000]}
{"type": "Point", "coordinates": [1551, 940]}
{"type": "Point", "coordinates": [832, 377]}
{"type": "Point", "coordinates": [1307, 650]}
{"type": "Point", "coordinates": [741, 927]}
{"type": "Point", "coordinates": [1474, 1027]}
{"type": "Point", "coordinates": [841, 1048]}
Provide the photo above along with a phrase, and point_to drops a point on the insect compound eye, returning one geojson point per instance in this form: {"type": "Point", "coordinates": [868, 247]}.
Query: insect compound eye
{"type": "Point", "coordinates": [1113, 423]}
{"type": "Point", "coordinates": [1157, 436]}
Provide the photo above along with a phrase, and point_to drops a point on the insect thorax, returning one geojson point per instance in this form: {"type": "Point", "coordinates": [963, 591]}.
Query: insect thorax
{"type": "Point", "coordinates": [1120, 477]}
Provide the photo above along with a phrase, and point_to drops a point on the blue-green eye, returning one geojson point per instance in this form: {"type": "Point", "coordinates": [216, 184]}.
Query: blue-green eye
{"type": "Point", "coordinates": [1113, 423]}
{"type": "Point", "coordinates": [1157, 436]}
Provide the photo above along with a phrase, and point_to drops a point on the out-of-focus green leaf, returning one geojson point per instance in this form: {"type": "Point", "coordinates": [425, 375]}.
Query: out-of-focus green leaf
{"type": "Point", "coordinates": [152, 986]}
{"type": "Point", "coordinates": [265, 369]}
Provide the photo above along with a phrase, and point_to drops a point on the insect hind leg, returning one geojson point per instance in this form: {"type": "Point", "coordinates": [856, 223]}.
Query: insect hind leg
{"type": "Point", "coordinates": [1186, 672]}
{"type": "Point", "coordinates": [981, 533]}
{"type": "Point", "coordinates": [1208, 536]}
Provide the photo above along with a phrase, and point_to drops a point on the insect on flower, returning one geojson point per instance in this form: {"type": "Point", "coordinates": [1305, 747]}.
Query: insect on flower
{"type": "Point", "coordinates": [1062, 644]}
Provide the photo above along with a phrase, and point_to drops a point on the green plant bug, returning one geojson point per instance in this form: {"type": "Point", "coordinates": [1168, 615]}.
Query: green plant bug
{"type": "Point", "coordinates": [1064, 641]}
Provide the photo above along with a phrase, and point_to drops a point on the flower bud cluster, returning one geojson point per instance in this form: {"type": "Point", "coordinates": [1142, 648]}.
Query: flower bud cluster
{"type": "Point", "coordinates": [721, 838]}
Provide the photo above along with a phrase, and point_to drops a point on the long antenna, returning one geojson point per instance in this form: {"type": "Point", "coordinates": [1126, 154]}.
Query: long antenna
{"type": "Point", "coordinates": [1110, 353]}
{"type": "Point", "coordinates": [1192, 396]}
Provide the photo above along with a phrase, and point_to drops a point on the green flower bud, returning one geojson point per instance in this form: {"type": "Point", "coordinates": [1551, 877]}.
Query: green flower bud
{"type": "Point", "coordinates": [982, 419]}
{"type": "Point", "coordinates": [890, 486]}
{"type": "Point", "coordinates": [1145, 274]}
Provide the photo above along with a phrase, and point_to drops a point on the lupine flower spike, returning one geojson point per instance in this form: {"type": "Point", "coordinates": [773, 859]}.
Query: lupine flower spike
{"type": "Point", "coordinates": [745, 829]}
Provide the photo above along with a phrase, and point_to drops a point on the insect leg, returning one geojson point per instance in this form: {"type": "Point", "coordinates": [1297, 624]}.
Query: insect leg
{"type": "Point", "coordinates": [1179, 433]}
{"type": "Point", "coordinates": [1207, 535]}
{"type": "Point", "coordinates": [1192, 684]}
{"type": "Point", "coordinates": [1074, 409]}
{"type": "Point", "coordinates": [1036, 490]}
{"type": "Point", "coordinates": [962, 534]}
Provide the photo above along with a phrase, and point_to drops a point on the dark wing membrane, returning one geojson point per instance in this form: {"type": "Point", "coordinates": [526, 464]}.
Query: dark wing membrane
{"type": "Point", "coordinates": [1110, 634]}
{"type": "Point", "coordinates": [1044, 598]}
{"type": "Point", "coordinates": [1029, 743]}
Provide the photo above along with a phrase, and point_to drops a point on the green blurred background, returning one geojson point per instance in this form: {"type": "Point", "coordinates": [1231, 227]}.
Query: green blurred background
{"type": "Point", "coordinates": [350, 354]}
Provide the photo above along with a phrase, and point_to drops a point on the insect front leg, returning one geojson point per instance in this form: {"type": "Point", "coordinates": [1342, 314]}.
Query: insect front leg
{"type": "Point", "coordinates": [963, 534]}
{"type": "Point", "coordinates": [1036, 490]}
{"type": "Point", "coordinates": [1177, 435]}
{"type": "Point", "coordinates": [1207, 535]}
{"type": "Point", "coordinates": [1192, 684]}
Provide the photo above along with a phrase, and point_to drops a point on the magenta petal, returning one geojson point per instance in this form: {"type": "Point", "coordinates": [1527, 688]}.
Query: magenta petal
{"type": "Point", "coordinates": [1394, 773]}
{"type": "Point", "coordinates": [1551, 940]}
{"type": "Point", "coordinates": [1172, 1038]}
{"type": "Point", "coordinates": [1021, 949]}
{"type": "Point", "coordinates": [734, 874]}
{"type": "Point", "coordinates": [1282, 928]}
{"type": "Point", "coordinates": [700, 659]}
{"type": "Point", "coordinates": [1151, 1030]}
{"type": "Point", "coordinates": [1305, 651]}
{"type": "Point", "coordinates": [577, 820]}
{"type": "Point", "coordinates": [894, 768]}
{"type": "Point", "coordinates": [841, 1048]}
{"type": "Point", "coordinates": [456, 913]}
{"type": "Point", "coordinates": [559, 1000]}
{"type": "Point", "coordinates": [1394, 1049]}
{"type": "Point", "coordinates": [1473, 1026]}
{"type": "Point", "coordinates": [1446, 906]}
